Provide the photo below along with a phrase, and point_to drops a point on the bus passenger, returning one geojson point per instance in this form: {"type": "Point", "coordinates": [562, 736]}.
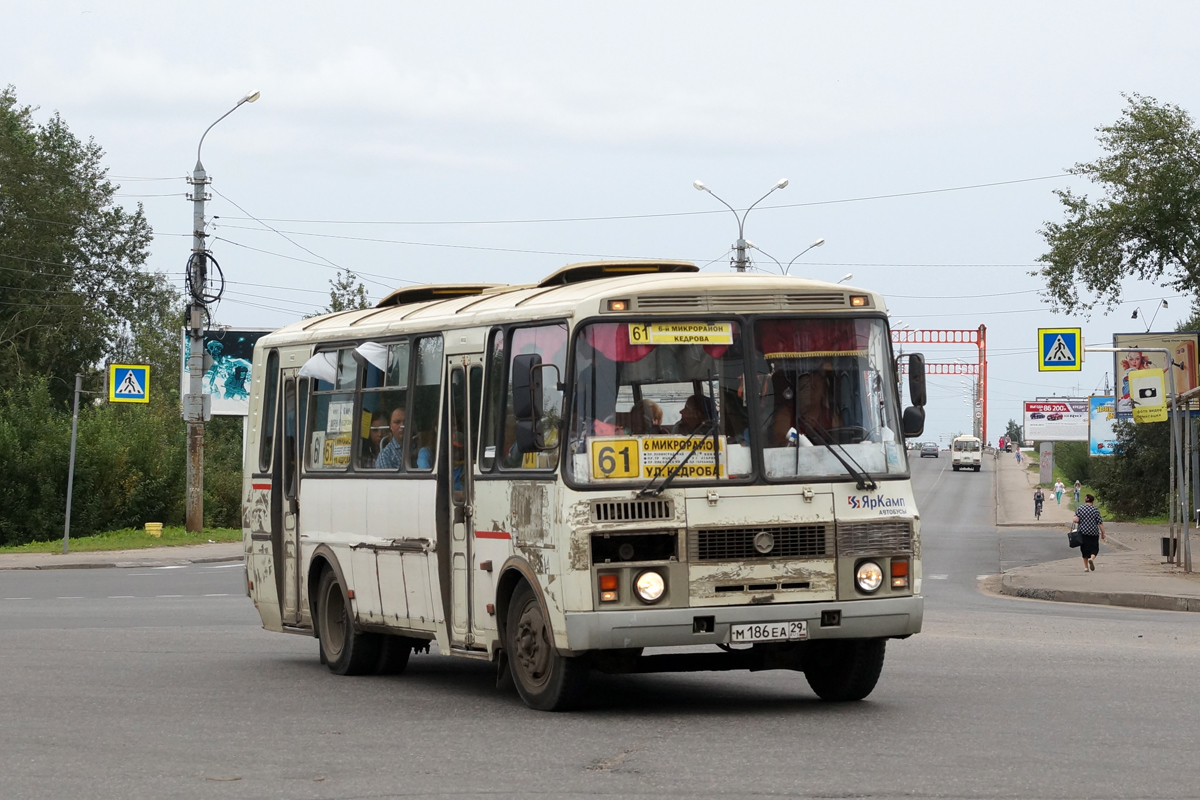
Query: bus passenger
{"type": "Point", "coordinates": [645, 417]}
{"type": "Point", "coordinates": [372, 444]}
{"type": "Point", "coordinates": [392, 455]}
{"type": "Point", "coordinates": [697, 414]}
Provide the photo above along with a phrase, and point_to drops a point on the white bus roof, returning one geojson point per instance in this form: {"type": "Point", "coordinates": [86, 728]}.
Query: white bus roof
{"type": "Point", "coordinates": [579, 290]}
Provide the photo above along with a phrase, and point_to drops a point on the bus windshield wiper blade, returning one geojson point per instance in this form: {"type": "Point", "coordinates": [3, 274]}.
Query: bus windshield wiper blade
{"type": "Point", "coordinates": [863, 479]}
{"type": "Point", "coordinates": [645, 490]}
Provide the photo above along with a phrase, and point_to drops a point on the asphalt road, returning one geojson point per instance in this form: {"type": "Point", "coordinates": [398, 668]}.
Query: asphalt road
{"type": "Point", "coordinates": [156, 683]}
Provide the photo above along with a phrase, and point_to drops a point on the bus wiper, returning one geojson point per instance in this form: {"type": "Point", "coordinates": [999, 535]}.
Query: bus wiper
{"type": "Point", "coordinates": [645, 490]}
{"type": "Point", "coordinates": [863, 479]}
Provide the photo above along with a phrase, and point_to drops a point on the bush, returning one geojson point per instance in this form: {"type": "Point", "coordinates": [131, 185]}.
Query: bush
{"type": "Point", "coordinates": [1135, 481]}
{"type": "Point", "coordinates": [1073, 459]}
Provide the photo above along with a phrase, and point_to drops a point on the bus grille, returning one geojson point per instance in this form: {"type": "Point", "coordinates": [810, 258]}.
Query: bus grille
{"type": "Point", "coordinates": [737, 544]}
{"type": "Point", "coordinates": [814, 299]}
{"type": "Point", "coordinates": [631, 510]}
{"type": "Point", "coordinates": [873, 538]}
{"type": "Point", "coordinates": [671, 302]}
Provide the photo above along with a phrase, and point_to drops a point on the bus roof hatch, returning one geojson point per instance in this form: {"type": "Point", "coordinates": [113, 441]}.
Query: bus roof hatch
{"type": "Point", "coordinates": [434, 291]}
{"type": "Point", "coordinates": [594, 270]}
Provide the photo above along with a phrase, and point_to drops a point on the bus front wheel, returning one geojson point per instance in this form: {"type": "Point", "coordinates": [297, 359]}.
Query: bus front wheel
{"type": "Point", "coordinates": [545, 679]}
{"type": "Point", "coordinates": [346, 651]}
{"type": "Point", "coordinates": [843, 670]}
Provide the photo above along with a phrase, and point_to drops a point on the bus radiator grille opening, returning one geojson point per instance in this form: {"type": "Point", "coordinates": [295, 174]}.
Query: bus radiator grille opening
{"type": "Point", "coordinates": [632, 510]}
{"type": "Point", "coordinates": [873, 538]}
{"type": "Point", "coordinates": [737, 544]}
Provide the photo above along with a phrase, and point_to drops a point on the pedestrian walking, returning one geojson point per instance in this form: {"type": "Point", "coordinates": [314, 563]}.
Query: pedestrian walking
{"type": "Point", "coordinates": [1091, 531]}
{"type": "Point", "coordinates": [1078, 489]}
{"type": "Point", "coordinates": [1018, 456]}
{"type": "Point", "coordinates": [1059, 488]}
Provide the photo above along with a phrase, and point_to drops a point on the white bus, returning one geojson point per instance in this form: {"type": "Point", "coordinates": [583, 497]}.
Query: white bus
{"type": "Point", "coordinates": [562, 477]}
{"type": "Point", "coordinates": [966, 452]}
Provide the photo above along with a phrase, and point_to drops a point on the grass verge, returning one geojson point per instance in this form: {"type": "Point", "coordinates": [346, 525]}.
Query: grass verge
{"type": "Point", "coordinates": [130, 539]}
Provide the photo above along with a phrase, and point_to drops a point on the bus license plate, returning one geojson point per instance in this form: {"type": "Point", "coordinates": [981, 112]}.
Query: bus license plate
{"type": "Point", "coordinates": [769, 632]}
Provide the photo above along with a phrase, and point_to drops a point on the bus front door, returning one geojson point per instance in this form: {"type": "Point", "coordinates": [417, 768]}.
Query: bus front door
{"type": "Point", "coordinates": [462, 416]}
{"type": "Point", "coordinates": [288, 573]}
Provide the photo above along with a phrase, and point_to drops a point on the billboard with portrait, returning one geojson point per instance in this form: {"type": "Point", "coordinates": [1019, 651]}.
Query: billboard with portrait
{"type": "Point", "coordinates": [1102, 413]}
{"type": "Point", "coordinates": [227, 357]}
{"type": "Point", "coordinates": [1132, 355]}
{"type": "Point", "coordinates": [1058, 420]}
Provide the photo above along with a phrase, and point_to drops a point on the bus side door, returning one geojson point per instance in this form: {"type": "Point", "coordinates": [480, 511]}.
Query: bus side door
{"type": "Point", "coordinates": [465, 379]}
{"type": "Point", "coordinates": [288, 575]}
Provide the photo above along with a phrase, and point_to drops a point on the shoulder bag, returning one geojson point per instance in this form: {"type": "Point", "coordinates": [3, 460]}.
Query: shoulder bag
{"type": "Point", "coordinates": [1074, 537]}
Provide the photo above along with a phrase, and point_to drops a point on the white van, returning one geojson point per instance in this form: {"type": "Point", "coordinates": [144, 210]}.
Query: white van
{"type": "Point", "coordinates": [965, 452]}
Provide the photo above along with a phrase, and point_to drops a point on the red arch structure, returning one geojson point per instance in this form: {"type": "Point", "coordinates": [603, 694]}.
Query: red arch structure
{"type": "Point", "coordinates": [976, 337]}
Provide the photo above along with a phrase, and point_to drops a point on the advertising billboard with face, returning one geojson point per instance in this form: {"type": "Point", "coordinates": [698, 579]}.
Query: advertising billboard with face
{"type": "Point", "coordinates": [1060, 420]}
{"type": "Point", "coordinates": [1102, 412]}
{"type": "Point", "coordinates": [1132, 356]}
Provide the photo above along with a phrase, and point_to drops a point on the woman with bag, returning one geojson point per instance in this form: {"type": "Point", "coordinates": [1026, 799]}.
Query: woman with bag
{"type": "Point", "coordinates": [1091, 530]}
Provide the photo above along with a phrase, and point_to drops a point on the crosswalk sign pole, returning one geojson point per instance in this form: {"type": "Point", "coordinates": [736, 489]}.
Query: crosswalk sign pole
{"type": "Point", "coordinates": [71, 468]}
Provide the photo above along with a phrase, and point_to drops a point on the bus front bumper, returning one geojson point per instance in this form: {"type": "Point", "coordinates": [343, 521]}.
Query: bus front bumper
{"type": "Point", "coordinates": [673, 627]}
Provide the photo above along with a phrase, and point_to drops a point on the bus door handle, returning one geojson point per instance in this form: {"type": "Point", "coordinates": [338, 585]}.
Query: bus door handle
{"type": "Point", "coordinates": [463, 512]}
{"type": "Point", "coordinates": [294, 506]}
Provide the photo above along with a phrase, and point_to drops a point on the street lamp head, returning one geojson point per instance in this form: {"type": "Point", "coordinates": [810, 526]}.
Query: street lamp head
{"type": "Point", "coordinates": [817, 243]}
{"type": "Point", "coordinates": [846, 277]}
{"type": "Point", "coordinates": [781, 184]}
{"type": "Point", "coordinates": [700, 187]}
{"type": "Point", "coordinates": [250, 97]}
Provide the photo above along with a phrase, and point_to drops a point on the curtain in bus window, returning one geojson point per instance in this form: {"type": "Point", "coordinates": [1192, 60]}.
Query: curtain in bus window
{"type": "Point", "coordinates": [808, 338]}
{"type": "Point", "coordinates": [322, 367]}
{"type": "Point", "coordinates": [549, 341]}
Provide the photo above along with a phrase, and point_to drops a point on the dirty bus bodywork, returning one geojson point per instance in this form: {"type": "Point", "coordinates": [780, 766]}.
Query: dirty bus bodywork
{"type": "Point", "coordinates": [558, 477]}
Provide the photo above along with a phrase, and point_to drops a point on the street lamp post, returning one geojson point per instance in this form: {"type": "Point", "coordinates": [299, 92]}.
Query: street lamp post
{"type": "Point", "coordinates": [817, 243]}
{"type": "Point", "coordinates": [740, 261]}
{"type": "Point", "coordinates": [195, 409]}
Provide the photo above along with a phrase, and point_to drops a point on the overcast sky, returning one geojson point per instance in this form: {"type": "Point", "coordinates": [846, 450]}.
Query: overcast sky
{"type": "Point", "coordinates": [382, 123]}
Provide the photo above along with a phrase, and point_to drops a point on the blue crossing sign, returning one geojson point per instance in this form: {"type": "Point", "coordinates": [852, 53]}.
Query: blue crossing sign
{"type": "Point", "coordinates": [129, 383]}
{"type": "Point", "coordinates": [1060, 350]}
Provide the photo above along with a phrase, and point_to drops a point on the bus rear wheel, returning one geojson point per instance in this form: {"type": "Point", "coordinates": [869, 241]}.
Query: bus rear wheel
{"type": "Point", "coordinates": [844, 670]}
{"type": "Point", "coordinates": [346, 651]}
{"type": "Point", "coordinates": [545, 679]}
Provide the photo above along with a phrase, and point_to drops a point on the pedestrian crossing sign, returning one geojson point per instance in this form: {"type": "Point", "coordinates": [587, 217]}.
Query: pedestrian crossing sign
{"type": "Point", "coordinates": [1060, 350]}
{"type": "Point", "coordinates": [129, 383]}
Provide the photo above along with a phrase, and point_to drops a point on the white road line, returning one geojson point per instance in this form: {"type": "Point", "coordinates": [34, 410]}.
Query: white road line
{"type": "Point", "coordinates": [936, 577]}
{"type": "Point", "coordinates": [227, 566]}
{"type": "Point", "coordinates": [18, 598]}
{"type": "Point", "coordinates": [216, 595]}
{"type": "Point", "coordinates": [172, 566]}
{"type": "Point", "coordinates": [70, 598]}
{"type": "Point", "coordinates": [120, 597]}
{"type": "Point", "coordinates": [981, 577]}
{"type": "Point", "coordinates": [168, 595]}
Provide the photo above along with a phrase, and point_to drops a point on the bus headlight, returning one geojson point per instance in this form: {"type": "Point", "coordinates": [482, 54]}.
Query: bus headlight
{"type": "Point", "coordinates": [868, 577]}
{"type": "Point", "coordinates": [649, 586]}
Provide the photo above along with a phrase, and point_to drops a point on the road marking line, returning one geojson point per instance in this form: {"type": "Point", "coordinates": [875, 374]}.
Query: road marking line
{"type": "Point", "coordinates": [937, 577]}
{"type": "Point", "coordinates": [172, 566]}
{"type": "Point", "coordinates": [227, 566]}
{"type": "Point", "coordinates": [120, 597]}
{"type": "Point", "coordinates": [981, 577]}
{"type": "Point", "coordinates": [70, 598]}
{"type": "Point", "coordinates": [217, 595]}
{"type": "Point", "coordinates": [168, 595]}
{"type": "Point", "coordinates": [18, 598]}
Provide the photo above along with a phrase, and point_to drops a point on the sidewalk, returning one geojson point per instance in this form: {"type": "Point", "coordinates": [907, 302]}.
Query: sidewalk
{"type": "Point", "coordinates": [147, 557]}
{"type": "Point", "coordinates": [1014, 496]}
{"type": "Point", "coordinates": [1130, 570]}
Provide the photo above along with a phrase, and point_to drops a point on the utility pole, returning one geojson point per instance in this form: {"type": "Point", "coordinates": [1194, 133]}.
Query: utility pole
{"type": "Point", "coordinates": [740, 261]}
{"type": "Point", "coordinates": [196, 404]}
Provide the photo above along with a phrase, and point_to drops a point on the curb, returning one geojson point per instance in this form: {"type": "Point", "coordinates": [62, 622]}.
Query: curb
{"type": "Point", "coordinates": [122, 564]}
{"type": "Point", "coordinates": [1155, 602]}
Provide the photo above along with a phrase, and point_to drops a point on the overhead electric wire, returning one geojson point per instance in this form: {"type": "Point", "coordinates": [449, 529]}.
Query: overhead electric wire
{"type": "Point", "coordinates": [386, 281]}
{"type": "Point", "coordinates": [658, 215]}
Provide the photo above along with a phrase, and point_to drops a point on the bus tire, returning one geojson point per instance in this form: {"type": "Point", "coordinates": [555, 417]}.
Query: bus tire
{"type": "Point", "coordinates": [545, 679]}
{"type": "Point", "coordinates": [844, 670]}
{"type": "Point", "coordinates": [344, 650]}
{"type": "Point", "coordinates": [393, 655]}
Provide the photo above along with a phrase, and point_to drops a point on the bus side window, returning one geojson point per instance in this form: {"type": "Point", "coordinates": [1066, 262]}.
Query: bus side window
{"type": "Point", "coordinates": [268, 413]}
{"type": "Point", "coordinates": [330, 436]}
{"type": "Point", "coordinates": [549, 341]}
{"type": "Point", "coordinates": [421, 422]}
{"type": "Point", "coordinates": [493, 402]}
{"type": "Point", "coordinates": [382, 421]}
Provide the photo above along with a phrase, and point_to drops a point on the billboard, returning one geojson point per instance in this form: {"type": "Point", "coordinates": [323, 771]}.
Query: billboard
{"type": "Point", "coordinates": [1102, 413]}
{"type": "Point", "coordinates": [227, 358]}
{"type": "Point", "coordinates": [1064, 420]}
{"type": "Point", "coordinates": [1132, 356]}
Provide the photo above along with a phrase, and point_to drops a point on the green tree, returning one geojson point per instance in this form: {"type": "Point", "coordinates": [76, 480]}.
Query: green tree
{"type": "Point", "coordinates": [1135, 481]}
{"type": "Point", "coordinates": [1147, 225]}
{"type": "Point", "coordinates": [72, 289]}
{"type": "Point", "coordinates": [1013, 432]}
{"type": "Point", "coordinates": [346, 292]}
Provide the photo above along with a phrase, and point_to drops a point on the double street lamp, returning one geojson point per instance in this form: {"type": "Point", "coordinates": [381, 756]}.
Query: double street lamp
{"type": "Point", "coordinates": [740, 261]}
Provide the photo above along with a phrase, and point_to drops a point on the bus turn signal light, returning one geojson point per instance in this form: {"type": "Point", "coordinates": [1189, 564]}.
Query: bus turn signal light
{"type": "Point", "coordinates": [900, 573]}
{"type": "Point", "coordinates": [618, 305]}
{"type": "Point", "coordinates": [858, 300]}
{"type": "Point", "coordinates": [608, 588]}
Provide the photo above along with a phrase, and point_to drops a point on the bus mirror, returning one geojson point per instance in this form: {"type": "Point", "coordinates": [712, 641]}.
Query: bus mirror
{"type": "Point", "coordinates": [916, 382]}
{"type": "Point", "coordinates": [914, 422]}
{"type": "Point", "coordinates": [526, 437]}
{"type": "Point", "coordinates": [526, 387]}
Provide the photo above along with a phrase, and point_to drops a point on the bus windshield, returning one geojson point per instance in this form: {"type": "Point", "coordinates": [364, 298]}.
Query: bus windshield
{"type": "Point", "coordinates": [807, 398]}
{"type": "Point", "coordinates": [966, 445]}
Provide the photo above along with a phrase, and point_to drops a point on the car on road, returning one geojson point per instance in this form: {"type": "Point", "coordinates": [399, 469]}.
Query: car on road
{"type": "Point", "coordinates": [929, 449]}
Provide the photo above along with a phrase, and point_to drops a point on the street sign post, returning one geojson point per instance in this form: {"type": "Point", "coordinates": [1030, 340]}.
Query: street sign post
{"type": "Point", "coordinates": [1060, 349]}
